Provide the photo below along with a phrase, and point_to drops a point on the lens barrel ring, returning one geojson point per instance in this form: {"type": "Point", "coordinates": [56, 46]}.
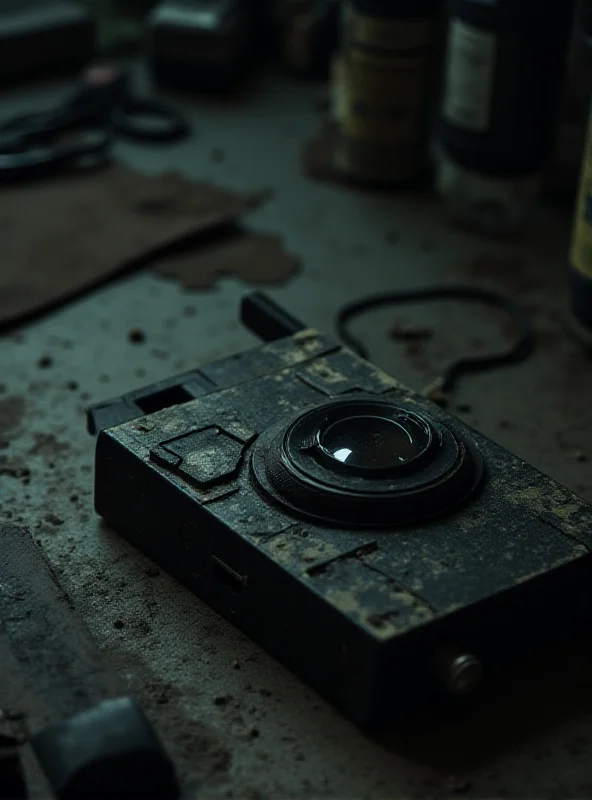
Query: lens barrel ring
{"type": "Point", "coordinates": [423, 470]}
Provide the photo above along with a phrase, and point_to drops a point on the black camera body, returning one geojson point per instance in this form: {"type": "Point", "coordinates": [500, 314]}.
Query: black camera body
{"type": "Point", "coordinates": [372, 542]}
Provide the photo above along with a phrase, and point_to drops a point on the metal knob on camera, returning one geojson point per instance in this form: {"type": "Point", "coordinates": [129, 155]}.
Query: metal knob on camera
{"type": "Point", "coordinates": [460, 671]}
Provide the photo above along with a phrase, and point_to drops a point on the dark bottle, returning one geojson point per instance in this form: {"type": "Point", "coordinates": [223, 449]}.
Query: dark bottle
{"type": "Point", "coordinates": [307, 34]}
{"type": "Point", "coordinates": [504, 67]}
{"type": "Point", "coordinates": [580, 257]}
{"type": "Point", "coordinates": [563, 170]}
{"type": "Point", "coordinates": [385, 87]}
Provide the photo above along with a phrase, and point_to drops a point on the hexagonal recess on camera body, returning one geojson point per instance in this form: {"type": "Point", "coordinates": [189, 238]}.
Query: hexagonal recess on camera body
{"type": "Point", "coordinates": [205, 457]}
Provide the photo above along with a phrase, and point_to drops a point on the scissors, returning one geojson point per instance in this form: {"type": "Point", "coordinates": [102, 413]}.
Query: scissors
{"type": "Point", "coordinates": [85, 126]}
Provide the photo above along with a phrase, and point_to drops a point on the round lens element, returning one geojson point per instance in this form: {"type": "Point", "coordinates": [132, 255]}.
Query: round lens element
{"type": "Point", "coordinates": [365, 461]}
{"type": "Point", "coordinates": [373, 442]}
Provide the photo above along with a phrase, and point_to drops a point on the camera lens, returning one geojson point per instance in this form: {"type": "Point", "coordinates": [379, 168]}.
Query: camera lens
{"type": "Point", "coordinates": [365, 460]}
{"type": "Point", "coordinates": [372, 442]}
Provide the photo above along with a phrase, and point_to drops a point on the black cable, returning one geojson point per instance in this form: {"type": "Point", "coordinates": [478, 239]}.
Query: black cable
{"type": "Point", "coordinates": [522, 348]}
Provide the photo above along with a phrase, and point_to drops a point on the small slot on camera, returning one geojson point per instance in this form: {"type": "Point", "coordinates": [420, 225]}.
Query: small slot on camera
{"type": "Point", "coordinates": [225, 574]}
{"type": "Point", "coordinates": [173, 396]}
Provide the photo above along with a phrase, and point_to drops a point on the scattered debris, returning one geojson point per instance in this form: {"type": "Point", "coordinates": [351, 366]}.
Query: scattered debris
{"type": "Point", "coordinates": [53, 519]}
{"type": "Point", "coordinates": [221, 699]}
{"type": "Point", "coordinates": [14, 468]}
{"type": "Point", "coordinates": [45, 362]}
{"type": "Point", "coordinates": [152, 572]}
{"type": "Point", "coordinates": [410, 332]}
{"type": "Point", "coordinates": [136, 335]}
{"type": "Point", "coordinates": [145, 427]}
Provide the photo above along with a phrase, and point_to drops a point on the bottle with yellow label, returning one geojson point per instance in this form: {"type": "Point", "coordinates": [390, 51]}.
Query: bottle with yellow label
{"type": "Point", "coordinates": [580, 260]}
{"type": "Point", "coordinates": [386, 89]}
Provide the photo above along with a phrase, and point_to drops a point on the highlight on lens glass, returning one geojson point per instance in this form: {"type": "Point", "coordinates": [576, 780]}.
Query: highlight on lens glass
{"type": "Point", "coordinates": [371, 441]}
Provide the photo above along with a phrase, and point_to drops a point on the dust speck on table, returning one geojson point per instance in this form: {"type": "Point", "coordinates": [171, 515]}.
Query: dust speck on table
{"type": "Point", "coordinates": [136, 335]}
{"type": "Point", "coordinates": [221, 699]}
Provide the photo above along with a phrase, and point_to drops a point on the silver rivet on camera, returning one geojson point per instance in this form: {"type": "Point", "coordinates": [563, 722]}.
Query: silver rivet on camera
{"type": "Point", "coordinates": [461, 672]}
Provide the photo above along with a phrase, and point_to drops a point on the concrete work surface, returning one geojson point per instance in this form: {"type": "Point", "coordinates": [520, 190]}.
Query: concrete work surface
{"type": "Point", "coordinates": [237, 723]}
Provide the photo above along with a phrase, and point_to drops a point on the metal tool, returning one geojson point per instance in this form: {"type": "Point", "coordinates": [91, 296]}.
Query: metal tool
{"type": "Point", "coordinates": [101, 107]}
{"type": "Point", "coordinates": [89, 739]}
{"type": "Point", "coordinates": [108, 749]}
{"type": "Point", "coordinates": [12, 779]}
{"type": "Point", "coordinates": [42, 35]}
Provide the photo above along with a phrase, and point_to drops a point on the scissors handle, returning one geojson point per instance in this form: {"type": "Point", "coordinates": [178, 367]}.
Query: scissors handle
{"type": "Point", "coordinates": [101, 105]}
{"type": "Point", "coordinates": [149, 120]}
{"type": "Point", "coordinates": [43, 159]}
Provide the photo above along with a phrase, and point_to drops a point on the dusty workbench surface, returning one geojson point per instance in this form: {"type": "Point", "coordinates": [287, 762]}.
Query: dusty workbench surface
{"type": "Point", "coordinates": [236, 722]}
